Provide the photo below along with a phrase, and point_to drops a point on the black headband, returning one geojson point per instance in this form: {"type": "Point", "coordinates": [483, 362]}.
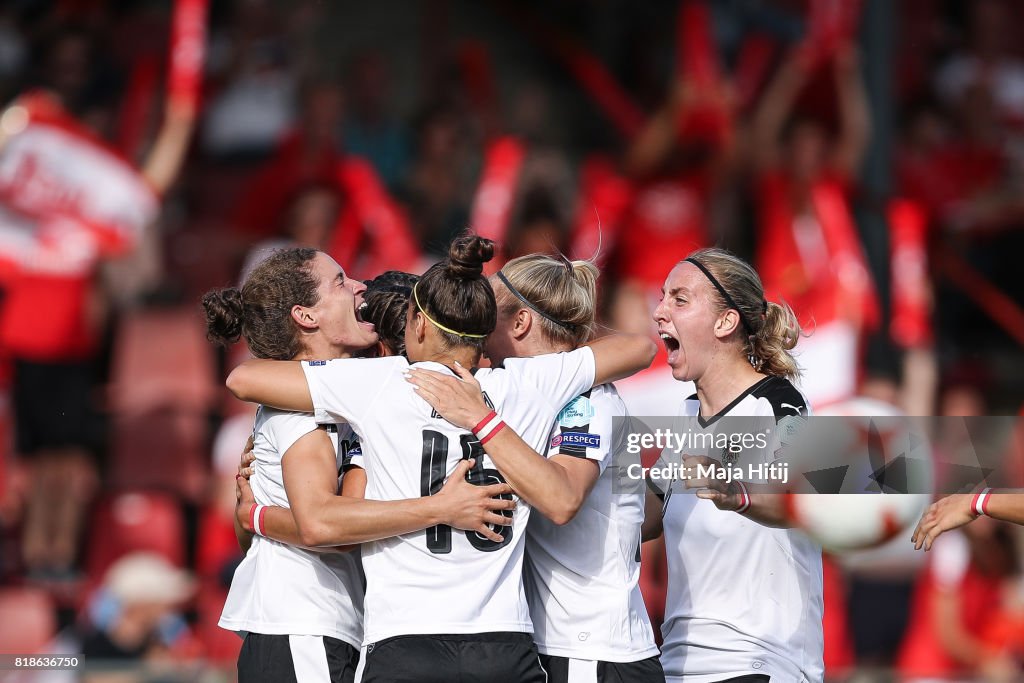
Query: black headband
{"type": "Point", "coordinates": [725, 295]}
{"type": "Point", "coordinates": [390, 289]}
{"type": "Point", "coordinates": [561, 323]}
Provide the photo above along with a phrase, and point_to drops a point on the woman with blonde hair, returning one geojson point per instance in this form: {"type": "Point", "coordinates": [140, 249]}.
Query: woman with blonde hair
{"type": "Point", "coordinates": [582, 565]}
{"type": "Point", "coordinates": [744, 595]}
{"type": "Point", "coordinates": [443, 606]}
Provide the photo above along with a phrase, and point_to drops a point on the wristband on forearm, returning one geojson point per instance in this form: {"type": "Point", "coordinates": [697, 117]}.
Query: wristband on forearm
{"type": "Point", "coordinates": [256, 513]}
{"type": "Point", "coordinates": [979, 504]}
{"type": "Point", "coordinates": [744, 498]}
{"type": "Point", "coordinates": [487, 428]}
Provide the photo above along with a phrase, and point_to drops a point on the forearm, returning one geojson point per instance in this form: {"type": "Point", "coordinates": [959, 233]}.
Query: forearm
{"type": "Point", "coordinates": [544, 484]}
{"type": "Point", "coordinates": [621, 355]}
{"type": "Point", "coordinates": [243, 536]}
{"type": "Point", "coordinates": [165, 159]}
{"type": "Point", "coordinates": [350, 521]}
{"type": "Point", "coordinates": [767, 508]}
{"type": "Point", "coordinates": [280, 384]}
{"type": "Point", "coordinates": [855, 122]}
{"type": "Point", "coordinates": [652, 145]}
{"type": "Point", "coordinates": [1006, 505]}
{"type": "Point", "coordinates": [653, 526]}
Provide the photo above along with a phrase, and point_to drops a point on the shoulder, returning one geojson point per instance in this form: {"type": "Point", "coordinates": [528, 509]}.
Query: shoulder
{"type": "Point", "coordinates": [782, 396]}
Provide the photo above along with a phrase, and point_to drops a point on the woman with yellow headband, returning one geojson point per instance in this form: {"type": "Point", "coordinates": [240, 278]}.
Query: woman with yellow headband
{"type": "Point", "coordinates": [443, 605]}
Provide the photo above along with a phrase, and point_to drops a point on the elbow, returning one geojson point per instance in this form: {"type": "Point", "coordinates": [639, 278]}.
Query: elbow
{"type": "Point", "coordinates": [565, 513]}
{"type": "Point", "coordinates": [238, 384]}
{"type": "Point", "coordinates": [313, 535]}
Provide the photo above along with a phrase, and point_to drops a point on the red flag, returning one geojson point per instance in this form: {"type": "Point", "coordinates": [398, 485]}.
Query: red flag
{"type": "Point", "coordinates": [492, 206]}
{"type": "Point", "coordinates": [911, 323]}
{"type": "Point", "coordinates": [188, 48]}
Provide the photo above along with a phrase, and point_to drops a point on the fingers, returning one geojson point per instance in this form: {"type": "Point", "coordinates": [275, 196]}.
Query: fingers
{"type": "Point", "coordinates": [489, 534]}
{"type": "Point", "coordinates": [495, 490]}
{"type": "Point", "coordinates": [248, 458]}
{"type": "Point", "coordinates": [495, 518]}
{"type": "Point", "coordinates": [464, 374]}
{"type": "Point", "coordinates": [499, 504]}
{"type": "Point", "coordinates": [463, 468]}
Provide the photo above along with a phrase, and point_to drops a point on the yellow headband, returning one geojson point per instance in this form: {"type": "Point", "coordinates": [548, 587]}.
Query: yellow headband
{"type": "Point", "coordinates": [438, 325]}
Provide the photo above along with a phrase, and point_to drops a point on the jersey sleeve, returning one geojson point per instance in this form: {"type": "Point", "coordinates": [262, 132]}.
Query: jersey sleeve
{"type": "Point", "coordinates": [560, 377]}
{"type": "Point", "coordinates": [584, 429]}
{"type": "Point", "coordinates": [343, 390]}
{"type": "Point", "coordinates": [284, 429]}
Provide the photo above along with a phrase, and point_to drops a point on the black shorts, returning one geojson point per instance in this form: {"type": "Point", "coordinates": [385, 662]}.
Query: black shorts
{"type": "Point", "coordinates": [53, 406]}
{"type": "Point", "coordinates": [468, 658]}
{"type": "Point", "coordinates": [566, 670]}
{"type": "Point", "coordinates": [296, 659]}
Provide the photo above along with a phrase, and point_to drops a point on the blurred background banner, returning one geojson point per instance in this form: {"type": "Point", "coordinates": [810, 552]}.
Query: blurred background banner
{"type": "Point", "coordinates": [866, 156]}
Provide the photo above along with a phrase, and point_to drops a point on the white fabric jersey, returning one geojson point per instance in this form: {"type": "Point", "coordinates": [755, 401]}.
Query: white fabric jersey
{"type": "Point", "coordinates": [279, 589]}
{"type": "Point", "coordinates": [743, 598]}
{"type": "Point", "coordinates": [582, 578]}
{"type": "Point", "coordinates": [442, 580]}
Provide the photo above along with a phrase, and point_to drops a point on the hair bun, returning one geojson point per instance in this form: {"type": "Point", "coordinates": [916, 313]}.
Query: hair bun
{"type": "Point", "coordinates": [224, 310]}
{"type": "Point", "coordinates": [467, 256]}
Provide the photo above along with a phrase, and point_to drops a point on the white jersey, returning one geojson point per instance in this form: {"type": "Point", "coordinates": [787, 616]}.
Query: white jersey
{"type": "Point", "coordinates": [582, 578]}
{"type": "Point", "coordinates": [279, 589]}
{"type": "Point", "coordinates": [743, 598]}
{"type": "Point", "coordinates": [441, 580]}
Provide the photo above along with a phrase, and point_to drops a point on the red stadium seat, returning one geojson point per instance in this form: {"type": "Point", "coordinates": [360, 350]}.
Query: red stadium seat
{"type": "Point", "coordinates": [132, 522]}
{"type": "Point", "coordinates": [29, 620]}
{"type": "Point", "coordinates": [162, 390]}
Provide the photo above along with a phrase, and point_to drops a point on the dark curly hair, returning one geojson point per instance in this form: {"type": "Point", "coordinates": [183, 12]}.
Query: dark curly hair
{"type": "Point", "coordinates": [387, 298]}
{"type": "Point", "coordinates": [261, 310]}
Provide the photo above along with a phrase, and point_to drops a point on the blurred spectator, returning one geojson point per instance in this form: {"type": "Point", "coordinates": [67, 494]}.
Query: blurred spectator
{"type": "Point", "coordinates": [809, 252]}
{"type": "Point", "coordinates": [960, 606]}
{"type": "Point", "coordinates": [371, 131]}
{"type": "Point", "coordinates": [254, 108]}
{"type": "Point", "coordinates": [309, 153]}
{"type": "Point", "coordinates": [438, 187]}
{"type": "Point", "coordinates": [987, 60]}
{"type": "Point", "coordinates": [135, 617]}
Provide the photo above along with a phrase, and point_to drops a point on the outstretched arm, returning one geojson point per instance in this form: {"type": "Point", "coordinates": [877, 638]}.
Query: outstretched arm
{"type": "Point", "coordinates": [556, 486]}
{"type": "Point", "coordinates": [854, 116]}
{"type": "Point", "coordinates": [775, 107]}
{"type": "Point", "coordinates": [276, 383]}
{"type": "Point", "coordinates": [618, 356]}
{"type": "Point", "coordinates": [957, 510]}
{"type": "Point", "coordinates": [320, 517]}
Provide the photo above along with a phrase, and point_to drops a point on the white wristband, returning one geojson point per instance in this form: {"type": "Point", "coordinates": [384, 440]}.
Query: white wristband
{"type": "Point", "coordinates": [257, 519]}
{"type": "Point", "coordinates": [744, 498]}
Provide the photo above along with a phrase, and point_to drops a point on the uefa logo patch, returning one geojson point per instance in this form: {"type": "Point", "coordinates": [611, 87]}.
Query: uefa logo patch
{"type": "Point", "coordinates": [577, 440]}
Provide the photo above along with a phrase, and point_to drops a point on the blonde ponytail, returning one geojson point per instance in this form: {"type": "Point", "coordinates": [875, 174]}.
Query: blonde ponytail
{"type": "Point", "coordinates": [561, 292]}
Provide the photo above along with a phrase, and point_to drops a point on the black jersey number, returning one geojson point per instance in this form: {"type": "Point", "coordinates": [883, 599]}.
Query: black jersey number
{"type": "Point", "coordinates": [435, 460]}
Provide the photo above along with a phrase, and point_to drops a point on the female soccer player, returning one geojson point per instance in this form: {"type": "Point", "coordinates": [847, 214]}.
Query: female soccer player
{"type": "Point", "coordinates": [744, 600]}
{"type": "Point", "coordinates": [582, 566]}
{"type": "Point", "coordinates": [302, 611]}
{"type": "Point", "coordinates": [442, 606]}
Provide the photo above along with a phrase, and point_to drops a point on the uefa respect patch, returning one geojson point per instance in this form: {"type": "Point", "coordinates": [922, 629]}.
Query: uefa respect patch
{"type": "Point", "coordinates": [577, 440]}
{"type": "Point", "coordinates": [315, 363]}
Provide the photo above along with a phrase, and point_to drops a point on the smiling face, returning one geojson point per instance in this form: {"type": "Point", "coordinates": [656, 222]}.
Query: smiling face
{"type": "Point", "coordinates": [687, 317]}
{"type": "Point", "coordinates": [337, 314]}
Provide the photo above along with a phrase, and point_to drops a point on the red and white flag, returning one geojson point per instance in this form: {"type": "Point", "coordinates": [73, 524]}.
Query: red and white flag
{"type": "Point", "coordinates": [66, 198]}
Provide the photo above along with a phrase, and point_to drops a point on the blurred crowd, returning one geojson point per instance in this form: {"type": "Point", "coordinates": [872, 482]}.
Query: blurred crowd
{"type": "Point", "coordinates": [868, 158]}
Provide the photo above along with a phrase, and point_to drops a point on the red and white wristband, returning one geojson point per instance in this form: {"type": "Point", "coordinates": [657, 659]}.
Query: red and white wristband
{"type": "Point", "coordinates": [256, 513]}
{"type": "Point", "coordinates": [487, 428]}
{"type": "Point", "coordinates": [744, 498]}
{"type": "Point", "coordinates": [979, 504]}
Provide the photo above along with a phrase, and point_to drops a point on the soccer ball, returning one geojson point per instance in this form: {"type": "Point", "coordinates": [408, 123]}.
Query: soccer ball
{"type": "Point", "coordinates": [885, 486]}
{"type": "Point", "coordinates": [845, 522]}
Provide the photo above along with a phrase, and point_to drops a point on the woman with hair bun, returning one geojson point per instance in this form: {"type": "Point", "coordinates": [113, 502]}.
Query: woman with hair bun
{"type": "Point", "coordinates": [744, 596]}
{"type": "Point", "coordinates": [443, 606]}
{"type": "Point", "coordinates": [582, 566]}
{"type": "Point", "coordinates": [301, 610]}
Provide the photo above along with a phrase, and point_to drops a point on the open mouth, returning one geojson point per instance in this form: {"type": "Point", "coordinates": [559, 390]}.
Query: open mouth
{"type": "Point", "coordinates": [672, 346]}
{"type": "Point", "coordinates": [360, 312]}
